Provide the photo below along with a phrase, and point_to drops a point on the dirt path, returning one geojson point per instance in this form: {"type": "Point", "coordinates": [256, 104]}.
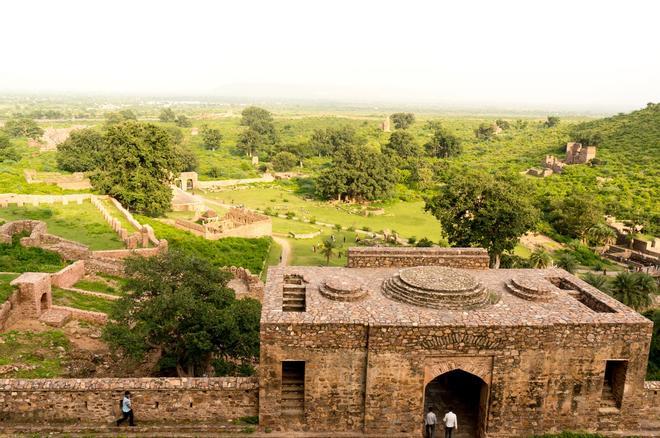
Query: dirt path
{"type": "Point", "coordinates": [286, 250]}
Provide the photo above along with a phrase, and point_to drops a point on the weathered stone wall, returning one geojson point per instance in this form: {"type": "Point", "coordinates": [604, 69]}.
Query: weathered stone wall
{"type": "Point", "coordinates": [84, 315]}
{"type": "Point", "coordinates": [376, 257]}
{"type": "Point", "coordinates": [68, 276]}
{"type": "Point", "coordinates": [547, 378]}
{"type": "Point", "coordinates": [651, 401]}
{"type": "Point", "coordinates": [20, 200]}
{"type": "Point", "coordinates": [254, 285]}
{"type": "Point", "coordinates": [154, 399]}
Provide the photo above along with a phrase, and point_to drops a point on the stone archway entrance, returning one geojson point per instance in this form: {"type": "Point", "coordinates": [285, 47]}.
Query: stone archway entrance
{"type": "Point", "coordinates": [463, 392]}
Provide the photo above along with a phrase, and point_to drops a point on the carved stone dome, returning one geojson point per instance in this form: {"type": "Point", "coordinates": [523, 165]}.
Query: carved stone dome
{"type": "Point", "coordinates": [435, 287]}
{"type": "Point", "coordinates": [342, 288]}
{"type": "Point", "coordinates": [531, 288]}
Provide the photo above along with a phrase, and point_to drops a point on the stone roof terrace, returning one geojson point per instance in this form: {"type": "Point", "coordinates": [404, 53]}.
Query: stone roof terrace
{"type": "Point", "coordinates": [495, 297]}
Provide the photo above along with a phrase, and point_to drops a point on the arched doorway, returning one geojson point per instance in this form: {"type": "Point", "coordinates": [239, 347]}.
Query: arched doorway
{"type": "Point", "coordinates": [464, 393]}
{"type": "Point", "coordinates": [43, 303]}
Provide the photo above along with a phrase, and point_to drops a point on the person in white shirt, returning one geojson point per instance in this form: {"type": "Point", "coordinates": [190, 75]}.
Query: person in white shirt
{"type": "Point", "coordinates": [430, 420]}
{"type": "Point", "coordinates": [126, 410]}
{"type": "Point", "coordinates": [451, 423]}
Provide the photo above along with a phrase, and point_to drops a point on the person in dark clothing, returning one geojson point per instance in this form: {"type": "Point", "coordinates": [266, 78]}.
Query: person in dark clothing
{"type": "Point", "coordinates": [126, 410]}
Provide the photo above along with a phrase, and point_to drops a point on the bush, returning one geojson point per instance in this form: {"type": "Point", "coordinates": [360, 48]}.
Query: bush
{"type": "Point", "coordinates": [17, 258]}
{"type": "Point", "coordinates": [290, 215]}
{"type": "Point", "coordinates": [412, 240]}
{"type": "Point", "coordinates": [424, 243]}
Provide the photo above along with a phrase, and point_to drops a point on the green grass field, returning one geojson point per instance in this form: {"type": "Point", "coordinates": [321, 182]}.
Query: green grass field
{"type": "Point", "coordinates": [97, 286]}
{"type": "Point", "coordinates": [5, 289]}
{"type": "Point", "coordinates": [406, 218]}
{"type": "Point", "coordinates": [80, 301]}
{"type": "Point", "coordinates": [81, 223]}
{"type": "Point", "coordinates": [35, 355]}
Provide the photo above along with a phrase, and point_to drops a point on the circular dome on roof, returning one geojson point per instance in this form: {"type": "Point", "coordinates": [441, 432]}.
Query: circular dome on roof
{"type": "Point", "coordinates": [435, 287]}
{"type": "Point", "coordinates": [532, 288]}
{"type": "Point", "coordinates": [342, 288]}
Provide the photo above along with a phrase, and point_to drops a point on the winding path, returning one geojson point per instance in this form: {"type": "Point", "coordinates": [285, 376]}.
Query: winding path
{"type": "Point", "coordinates": [286, 250]}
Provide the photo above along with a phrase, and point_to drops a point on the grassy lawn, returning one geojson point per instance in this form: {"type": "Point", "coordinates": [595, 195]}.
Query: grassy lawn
{"type": "Point", "coordinates": [272, 260]}
{"type": "Point", "coordinates": [229, 251]}
{"type": "Point", "coordinates": [5, 289]}
{"type": "Point", "coordinates": [35, 354]}
{"type": "Point", "coordinates": [17, 258]}
{"type": "Point", "coordinates": [284, 226]}
{"type": "Point", "coordinates": [97, 286]}
{"type": "Point", "coordinates": [82, 223]}
{"type": "Point", "coordinates": [69, 298]}
{"type": "Point", "coordinates": [303, 254]}
{"type": "Point", "coordinates": [522, 251]}
{"type": "Point", "coordinates": [406, 218]}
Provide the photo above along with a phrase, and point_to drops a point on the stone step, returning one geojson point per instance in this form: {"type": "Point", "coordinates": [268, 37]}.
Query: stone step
{"type": "Point", "coordinates": [398, 278]}
{"type": "Point", "coordinates": [438, 300]}
{"type": "Point", "coordinates": [55, 317]}
{"type": "Point", "coordinates": [396, 284]}
{"type": "Point", "coordinates": [526, 295]}
{"type": "Point", "coordinates": [342, 295]}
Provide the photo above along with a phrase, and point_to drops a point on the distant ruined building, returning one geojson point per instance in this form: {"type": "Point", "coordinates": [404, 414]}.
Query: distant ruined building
{"type": "Point", "coordinates": [576, 153]}
{"type": "Point", "coordinates": [385, 125]}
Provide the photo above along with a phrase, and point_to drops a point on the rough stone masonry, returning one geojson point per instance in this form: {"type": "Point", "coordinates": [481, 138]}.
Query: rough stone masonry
{"type": "Point", "coordinates": [370, 347]}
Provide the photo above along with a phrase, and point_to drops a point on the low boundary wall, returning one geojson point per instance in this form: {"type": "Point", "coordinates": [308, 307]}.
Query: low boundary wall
{"type": "Point", "coordinates": [154, 399]}
{"type": "Point", "coordinates": [377, 257]}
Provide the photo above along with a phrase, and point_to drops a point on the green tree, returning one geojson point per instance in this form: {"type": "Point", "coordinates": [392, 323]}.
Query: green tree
{"type": "Point", "coordinates": [182, 306]}
{"type": "Point", "coordinates": [211, 138]}
{"type": "Point", "coordinates": [576, 214]}
{"type": "Point", "coordinates": [442, 143]}
{"type": "Point", "coordinates": [23, 127]}
{"type": "Point", "coordinates": [540, 258]}
{"type": "Point", "coordinates": [253, 116]}
{"type": "Point", "coordinates": [480, 209]}
{"type": "Point", "coordinates": [402, 120]}
{"type": "Point", "coordinates": [633, 289]}
{"type": "Point", "coordinates": [283, 161]}
{"type": "Point", "coordinates": [653, 369]}
{"type": "Point", "coordinates": [183, 121]}
{"type": "Point", "coordinates": [402, 143]}
{"type": "Point", "coordinates": [119, 116]}
{"type": "Point", "coordinates": [138, 164]}
{"type": "Point", "coordinates": [598, 281]}
{"type": "Point", "coordinates": [328, 141]}
{"type": "Point", "coordinates": [357, 174]}
{"type": "Point", "coordinates": [82, 151]}
{"type": "Point", "coordinates": [175, 133]}
{"type": "Point", "coordinates": [503, 124]}
{"type": "Point", "coordinates": [601, 235]}
{"type": "Point", "coordinates": [167, 115]}
{"type": "Point", "coordinates": [485, 131]}
{"type": "Point", "coordinates": [567, 262]}
{"type": "Point", "coordinates": [329, 248]}
{"type": "Point", "coordinates": [552, 121]}
{"type": "Point", "coordinates": [7, 150]}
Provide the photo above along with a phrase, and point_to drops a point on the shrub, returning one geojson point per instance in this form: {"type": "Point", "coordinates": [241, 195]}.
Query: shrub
{"type": "Point", "coordinates": [290, 215]}
{"type": "Point", "coordinates": [412, 240]}
{"type": "Point", "coordinates": [424, 243]}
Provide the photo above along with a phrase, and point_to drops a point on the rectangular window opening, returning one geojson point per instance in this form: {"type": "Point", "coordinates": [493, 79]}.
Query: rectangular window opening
{"type": "Point", "coordinates": [293, 388]}
{"type": "Point", "coordinates": [614, 382]}
{"type": "Point", "coordinates": [294, 294]}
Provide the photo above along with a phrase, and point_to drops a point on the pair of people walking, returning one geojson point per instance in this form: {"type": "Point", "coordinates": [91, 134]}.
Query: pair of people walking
{"type": "Point", "coordinates": [431, 420]}
{"type": "Point", "coordinates": [126, 410]}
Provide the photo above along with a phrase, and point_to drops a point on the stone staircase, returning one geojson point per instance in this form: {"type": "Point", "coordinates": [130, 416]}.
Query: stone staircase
{"type": "Point", "coordinates": [293, 294]}
{"type": "Point", "coordinates": [293, 393]}
{"type": "Point", "coordinates": [530, 289]}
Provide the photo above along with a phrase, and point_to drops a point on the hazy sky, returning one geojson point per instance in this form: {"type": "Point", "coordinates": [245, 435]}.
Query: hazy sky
{"type": "Point", "coordinates": [578, 52]}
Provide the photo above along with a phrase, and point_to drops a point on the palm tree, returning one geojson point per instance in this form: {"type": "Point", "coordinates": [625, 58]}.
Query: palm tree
{"type": "Point", "coordinates": [567, 262]}
{"type": "Point", "coordinates": [328, 249]}
{"type": "Point", "coordinates": [598, 281]}
{"type": "Point", "coordinates": [601, 235]}
{"type": "Point", "coordinates": [632, 290]}
{"type": "Point", "coordinates": [540, 258]}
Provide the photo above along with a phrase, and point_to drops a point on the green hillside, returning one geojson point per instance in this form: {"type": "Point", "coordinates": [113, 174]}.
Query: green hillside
{"type": "Point", "coordinates": [626, 174]}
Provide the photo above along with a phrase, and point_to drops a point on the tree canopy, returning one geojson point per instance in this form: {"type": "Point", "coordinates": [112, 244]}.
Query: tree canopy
{"type": "Point", "coordinates": [327, 141]}
{"type": "Point", "coordinates": [402, 143]}
{"type": "Point", "coordinates": [357, 174]}
{"type": "Point", "coordinates": [82, 151]}
{"type": "Point", "coordinates": [211, 138]}
{"type": "Point", "coordinates": [283, 161]}
{"type": "Point", "coordinates": [7, 150]}
{"type": "Point", "coordinates": [181, 306]}
{"type": "Point", "coordinates": [23, 127]}
{"type": "Point", "coordinates": [552, 121]}
{"type": "Point", "coordinates": [182, 121]}
{"type": "Point", "coordinates": [402, 120]}
{"type": "Point", "coordinates": [442, 143]}
{"type": "Point", "coordinates": [576, 214]}
{"type": "Point", "coordinates": [167, 115]}
{"type": "Point", "coordinates": [261, 136]}
{"type": "Point", "coordinates": [480, 209]}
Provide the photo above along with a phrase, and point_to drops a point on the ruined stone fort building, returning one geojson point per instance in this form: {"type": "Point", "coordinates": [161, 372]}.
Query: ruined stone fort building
{"type": "Point", "coordinates": [369, 347]}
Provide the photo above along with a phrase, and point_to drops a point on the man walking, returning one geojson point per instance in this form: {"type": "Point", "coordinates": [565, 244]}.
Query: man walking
{"type": "Point", "coordinates": [451, 423]}
{"type": "Point", "coordinates": [126, 410]}
{"type": "Point", "coordinates": [430, 421]}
